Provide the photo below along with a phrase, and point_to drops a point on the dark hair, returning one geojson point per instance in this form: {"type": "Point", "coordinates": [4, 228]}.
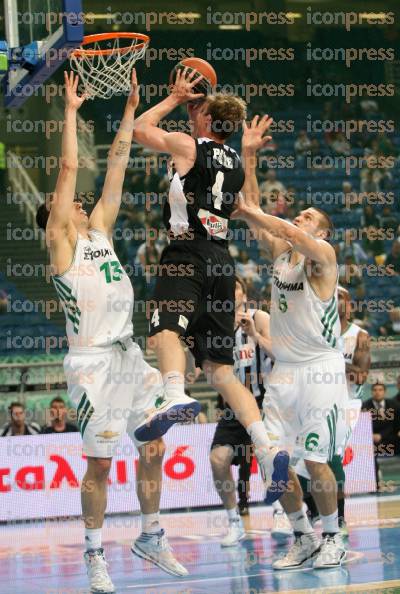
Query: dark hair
{"type": "Point", "coordinates": [57, 399]}
{"type": "Point", "coordinates": [328, 223]}
{"type": "Point", "coordinates": [241, 282]}
{"type": "Point", "coordinates": [379, 384]}
{"type": "Point", "coordinates": [15, 404]}
{"type": "Point", "coordinates": [42, 216]}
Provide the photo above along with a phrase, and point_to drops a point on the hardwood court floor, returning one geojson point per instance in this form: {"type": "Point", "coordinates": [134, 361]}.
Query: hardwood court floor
{"type": "Point", "coordinates": [46, 557]}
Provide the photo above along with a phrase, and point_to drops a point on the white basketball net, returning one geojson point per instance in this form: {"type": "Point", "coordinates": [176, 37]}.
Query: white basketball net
{"type": "Point", "coordinates": [105, 75]}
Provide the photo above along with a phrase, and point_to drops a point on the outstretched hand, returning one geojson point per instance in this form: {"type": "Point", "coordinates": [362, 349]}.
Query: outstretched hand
{"type": "Point", "coordinates": [184, 85]}
{"type": "Point", "coordinates": [253, 138]}
{"type": "Point", "coordinates": [133, 99]}
{"type": "Point", "coordinates": [71, 86]}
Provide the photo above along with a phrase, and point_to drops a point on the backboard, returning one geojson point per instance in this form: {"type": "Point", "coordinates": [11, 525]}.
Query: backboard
{"type": "Point", "coordinates": [40, 34]}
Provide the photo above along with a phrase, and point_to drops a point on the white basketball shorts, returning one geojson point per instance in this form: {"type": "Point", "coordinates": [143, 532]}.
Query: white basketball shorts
{"type": "Point", "coordinates": [111, 388]}
{"type": "Point", "coordinates": [304, 408]}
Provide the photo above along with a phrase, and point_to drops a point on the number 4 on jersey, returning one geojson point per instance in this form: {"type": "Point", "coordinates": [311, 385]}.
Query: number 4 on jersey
{"type": "Point", "coordinates": [217, 190]}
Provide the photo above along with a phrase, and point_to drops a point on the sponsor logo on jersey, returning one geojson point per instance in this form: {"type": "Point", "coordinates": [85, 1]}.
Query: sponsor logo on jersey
{"type": "Point", "coordinates": [107, 434]}
{"type": "Point", "coordinates": [215, 226]}
{"type": "Point", "coordinates": [287, 286]}
{"type": "Point", "coordinates": [89, 254]}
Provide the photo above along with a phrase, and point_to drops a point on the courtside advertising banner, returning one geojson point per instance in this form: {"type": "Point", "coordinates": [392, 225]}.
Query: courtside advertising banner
{"type": "Point", "coordinates": [40, 475]}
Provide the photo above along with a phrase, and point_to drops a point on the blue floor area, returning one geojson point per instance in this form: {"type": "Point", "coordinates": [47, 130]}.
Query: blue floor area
{"type": "Point", "coordinates": [48, 559]}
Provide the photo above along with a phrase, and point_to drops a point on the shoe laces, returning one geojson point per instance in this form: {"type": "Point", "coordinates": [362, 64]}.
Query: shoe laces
{"type": "Point", "coordinates": [330, 543]}
{"type": "Point", "coordinates": [163, 543]}
{"type": "Point", "coordinates": [98, 564]}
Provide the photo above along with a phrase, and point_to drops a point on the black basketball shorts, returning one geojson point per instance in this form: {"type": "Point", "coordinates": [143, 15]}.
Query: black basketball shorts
{"type": "Point", "coordinates": [229, 432]}
{"type": "Point", "coordinates": [195, 296]}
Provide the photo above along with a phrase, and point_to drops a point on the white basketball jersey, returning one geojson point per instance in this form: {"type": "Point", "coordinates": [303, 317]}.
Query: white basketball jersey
{"type": "Point", "coordinates": [303, 327]}
{"type": "Point", "coordinates": [252, 364]}
{"type": "Point", "coordinates": [96, 294]}
{"type": "Point", "coordinates": [348, 344]}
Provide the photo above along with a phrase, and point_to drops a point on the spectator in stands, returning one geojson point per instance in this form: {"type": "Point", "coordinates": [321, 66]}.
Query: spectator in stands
{"type": "Point", "coordinates": [3, 169]}
{"type": "Point", "coordinates": [361, 137]}
{"type": "Point", "coordinates": [349, 247]}
{"type": "Point", "coordinates": [271, 184]}
{"type": "Point", "coordinates": [385, 146]}
{"type": "Point", "coordinates": [350, 276]}
{"type": "Point", "coordinates": [397, 397]}
{"type": "Point", "coordinates": [4, 300]}
{"type": "Point", "coordinates": [247, 268]}
{"type": "Point", "coordinates": [351, 198]}
{"type": "Point", "coordinates": [385, 416]}
{"type": "Point", "coordinates": [392, 326]}
{"type": "Point", "coordinates": [302, 145]}
{"type": "Point", "coordinates": [369, 218]}
{"type": "Point", "coordinates": [17, 424]}
{"type": "Point", "coordinates": [147, 259]}
{"type": "Point", "coordinates": [315, 148]}
{"type": "Point", "coordinates": [58, 418]}
{"type": "Point", "coordinates": [388, 219]}
{"type": "Point", "coordinates": [369, 181]}
{"type": "Point", "coordinates": [340, 145]}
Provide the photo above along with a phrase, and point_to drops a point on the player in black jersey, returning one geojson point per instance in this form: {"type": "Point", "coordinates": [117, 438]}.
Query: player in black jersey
{"type": "Point", "coordinates": [194, 293]}
{"type": "Point", "coordinates": [231, 444]}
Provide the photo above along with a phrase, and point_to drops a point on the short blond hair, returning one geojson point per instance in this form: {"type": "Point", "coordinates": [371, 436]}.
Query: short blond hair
{"type": "Point", "coordinates": [227, 113]}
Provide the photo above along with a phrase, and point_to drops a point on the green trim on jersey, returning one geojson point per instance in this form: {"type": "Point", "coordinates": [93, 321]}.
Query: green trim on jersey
{"type": "Point", "coordinates": [328, 321]}
{"type": "Point", "coordinates": [69, 300]}
{"type": "Point", "coordinates": [85, 411]}
{"type": "Point", "coordinates": [331, 419]}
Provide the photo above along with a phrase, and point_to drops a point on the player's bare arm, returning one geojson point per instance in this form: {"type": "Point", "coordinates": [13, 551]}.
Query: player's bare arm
{"type": "Point", "coordinates": [106, 210]}
{"type": "Point", "coordinates": [358, 369]}
{"type": "Point", "coordinates": [253, 140]}
{"type": "Point", "coordinates": [323, 271]}
{"type": "Point", "coordinates": [180, 146]}
{"type": "Point", "coordinates": [61, 234]}
{"type": "Point", "coordinates": [257, 326]}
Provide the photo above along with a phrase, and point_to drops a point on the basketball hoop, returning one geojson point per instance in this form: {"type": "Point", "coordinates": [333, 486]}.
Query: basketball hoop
{"type": "Point", "coordinates": [104, 62]}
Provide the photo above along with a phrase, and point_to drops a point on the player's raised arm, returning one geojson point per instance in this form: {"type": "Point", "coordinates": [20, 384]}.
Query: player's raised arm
{"type": "Point", "coordinates": [312, 246]}
{"type": "Point", "coordinates": [63, 198]}
{"type": "Point", "coordinates": [146, 131]}
{"type": "Point", "coordinates": [253, 140]}
{"type": "Point", "coordinates": [106, 210]}
{"type": "Point", "coordinates": [57, 218]}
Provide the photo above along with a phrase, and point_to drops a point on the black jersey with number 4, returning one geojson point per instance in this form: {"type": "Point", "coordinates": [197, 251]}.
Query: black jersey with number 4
{"type": "Point", "coordinates": [201, 202]}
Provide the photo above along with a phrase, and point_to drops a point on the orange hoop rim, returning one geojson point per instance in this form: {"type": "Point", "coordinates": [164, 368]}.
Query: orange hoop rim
{"type": "Point", "coordinates": [81, 51]}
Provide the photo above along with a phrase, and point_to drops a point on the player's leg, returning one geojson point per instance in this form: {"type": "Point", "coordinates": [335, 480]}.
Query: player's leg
{"type": "Point", "coordinates": [152, 543]}
{"type": "Point", "coordinates": [323, 421]}
{"type": "Point", "coordinates": [94, 503]}
{"type": "Point", "coordinates": [213, 350]}
{"type": "Point", "coordinates": [243, 486]}
{"type": "Point", "coordinates": [282, 423]}
{"type": "Point", "coordinates": [174, 304]}
{"type": "Point", "coordinates": [306, 544]}
{"type": "Point", "coordinates": [92, 391]}
{"type": "Point", "coordinates": [230, 445]}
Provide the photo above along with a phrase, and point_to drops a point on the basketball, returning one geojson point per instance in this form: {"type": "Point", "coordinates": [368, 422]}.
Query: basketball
{"type": "Point", "coordinates": [202, 67]}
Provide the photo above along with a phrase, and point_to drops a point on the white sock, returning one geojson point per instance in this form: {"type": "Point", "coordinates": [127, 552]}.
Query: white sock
{"type": "Point", "coordinates": [259, 436]}
{"type": "Point", "coordinates": [151, 523]}
{"type": "Point", "coordinates": [300, 522]}
{"type": "Point", "coordinates": [233, 514]}
{"type": "Point", "coordinates": [174, 384]}
{"type": "Point", "coordinates": [92, 538]}
{"type": "Point", "coordinates": [276, 506]}
{"type": "Point", "coordinates": [330, 523]}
